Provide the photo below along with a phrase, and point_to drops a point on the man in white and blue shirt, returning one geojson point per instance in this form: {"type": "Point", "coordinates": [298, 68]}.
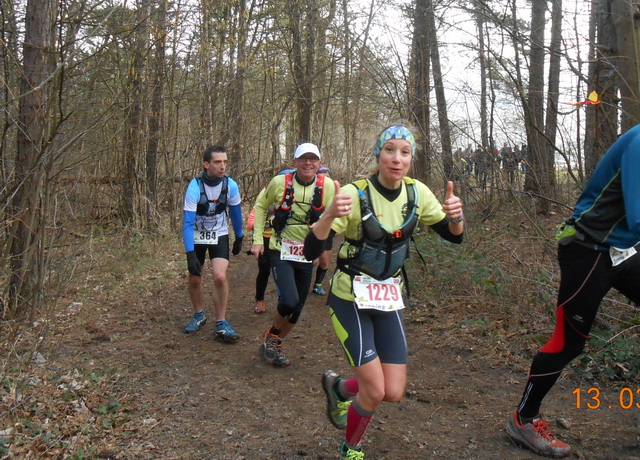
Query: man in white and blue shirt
{"type": "Point", "coordinates": [206, 229]}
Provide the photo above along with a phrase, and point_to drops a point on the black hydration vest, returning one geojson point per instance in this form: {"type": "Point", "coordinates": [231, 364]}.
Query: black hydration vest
{"type": "Point", "coordinates": [380, 253]}
{"type": "Point", "coordinates": [207, 207]}
{"type": "Point", "coordinates": [283, 212]}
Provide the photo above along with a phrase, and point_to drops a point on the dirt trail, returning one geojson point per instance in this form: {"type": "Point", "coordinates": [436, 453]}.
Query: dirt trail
{"type": "Point", "coordinates": [192, 397]}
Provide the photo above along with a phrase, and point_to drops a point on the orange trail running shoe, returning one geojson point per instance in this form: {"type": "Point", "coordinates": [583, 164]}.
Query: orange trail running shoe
{"type": "Point", "coordinates": [536, 437]}
{"type": "Point", "coordinates": [260, 307]}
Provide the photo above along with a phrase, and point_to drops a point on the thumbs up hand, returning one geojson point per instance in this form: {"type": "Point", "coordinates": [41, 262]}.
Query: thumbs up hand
{"type": "Point", "coordinates": [449, 194]}
{"type": "Point", "coordinates": [341, 205]}
{"type": "Point", "coordinates": [452, 206]}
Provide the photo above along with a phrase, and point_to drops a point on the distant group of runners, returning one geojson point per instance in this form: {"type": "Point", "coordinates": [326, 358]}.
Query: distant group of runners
{"type": "Point", "coordinates": [483, 162]}
{"type": "Point", "coordinates": [295, 218]}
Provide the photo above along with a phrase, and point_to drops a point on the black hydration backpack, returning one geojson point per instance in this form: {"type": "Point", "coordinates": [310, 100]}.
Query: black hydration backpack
{"type": "Point", "coordinates": [283, 212]}
{"type": "Point", "coordinates": [207, 207]}
{"type": "Point", "coordinates": [380, 253]}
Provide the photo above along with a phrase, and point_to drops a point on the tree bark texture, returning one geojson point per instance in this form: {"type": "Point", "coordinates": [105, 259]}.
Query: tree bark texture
{"type": "Point", "coordinates": [302, 60]}
{"type": "Point", "coordinates": [602, 121]}
{"type": "Point", "coordinates": [553, 90]}
{"type": "Point", "coordinates": [135, 128]}
{"type": "Point", "coordinates": [9, 37]}
{"type": "Point", "coordinates": [156, 113]}
{"type": "Point", "coordinates": [482, 57]}
{"type": "Point", "coordinates": [625, 17]}
{"type": "Point", "coordinates": [537, 173]}
{"type": "Point", "coordinates": [28, 232]}
{"type": "Point", "coordinates": [441, 101]}
{"type": "Point", "coordinates": [235, 118]}
{"type": "Point", "coordinates": [419, 77]}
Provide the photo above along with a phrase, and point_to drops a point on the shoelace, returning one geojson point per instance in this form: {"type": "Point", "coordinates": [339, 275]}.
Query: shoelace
{"type": "Point", "coordinates": [355, 454]}
{"type": "Point", "coordinates": [542, 429]}
{"type": "Point", "coordinates": [343, 407]}
{"type": "Point", "coordinates": [271, 343]}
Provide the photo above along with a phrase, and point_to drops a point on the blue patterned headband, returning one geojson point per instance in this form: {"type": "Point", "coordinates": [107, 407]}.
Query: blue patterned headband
{"type": "Point", "coordinates": [395, 132]}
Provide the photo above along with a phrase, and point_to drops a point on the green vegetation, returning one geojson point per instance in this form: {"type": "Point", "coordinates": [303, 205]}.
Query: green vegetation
{"type": "Point", "coordinates": [514, 291]}
{"type": "Point", "coordinates": [613, 353]}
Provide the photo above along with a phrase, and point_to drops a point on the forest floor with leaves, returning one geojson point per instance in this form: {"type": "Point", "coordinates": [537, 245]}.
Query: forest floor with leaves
{"type": "Point", "coordinates": [115, 377]}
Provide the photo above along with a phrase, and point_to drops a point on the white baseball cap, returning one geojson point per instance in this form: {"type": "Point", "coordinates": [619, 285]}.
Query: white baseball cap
{"type": "Point", "coordinates": [307, 148]}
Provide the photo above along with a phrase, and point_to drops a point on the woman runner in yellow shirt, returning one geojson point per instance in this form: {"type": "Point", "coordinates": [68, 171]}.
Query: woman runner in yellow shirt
{"type": "Point", "coordinates": [377, 217]}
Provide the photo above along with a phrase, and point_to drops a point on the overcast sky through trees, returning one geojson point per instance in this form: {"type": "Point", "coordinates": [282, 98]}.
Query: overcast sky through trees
{"type": "Point", "coordinates": [458, 36]}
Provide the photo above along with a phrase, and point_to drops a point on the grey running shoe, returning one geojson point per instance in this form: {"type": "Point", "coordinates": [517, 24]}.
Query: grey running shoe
{"type": "Point", "coordinates": [281, 358]}
{"type": "Point", "coordinates": [536, 437]}
{"type": "Point", "coordinates": [225, 332]}
{"type": "Point", "coordinates": [197, 321]}
{"type": "Point", "coordinates": [336, 409]}
{"type": "Point", "coordinates": [268, 349]}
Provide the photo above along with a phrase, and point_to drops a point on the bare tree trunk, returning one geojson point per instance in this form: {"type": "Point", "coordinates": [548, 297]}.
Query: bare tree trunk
{"type": "Point", "coordinates": [419, 73]}
{"type": "Point", "coordinates": [207, 80]}
{"type": "Point", "coordinates": [441, 102]}
{"type": "Point", "coordinates": [551, 121]}
{"type": "Point", "coordinates": [175, 108]}
{"type": "Point", "coordinates": [9, 37]}
{"type": "Point", "coordinates": [134, 121]}
{"type": "Point", "coordinates": [307, 88]}
{"type": "Point", "coordinates": [602, 121]}
{"type": "Point", "coordinates": [517, 43]}
{"type": "Point", "coordinates": [482, 55]}
{"type": "Point", "coordinates": [212, 48]}
{"type": "Point", "coordinates": [234, 121]}
{"type": "Point", "coordinates": [348, 120]}
{"type": "Point", "coordinates": [303, 66]}
{"type": "Point", "coordinates": [295, 18]}
{"type": "Point", "coordinates": [535, 181]}
{"type": "Point", "coordinates": [625, 17]}
{"type": "Point", "coordinates": [591, 130]}
{"type": "Point", "coordinates": [156, 114]}
{"type": "Point", "coordinates": [325, 77]}
{"type": "Point", "coordinates": [352, 100]}
{"type": "Point", "coordinates": [28, 231]}
{"type": "Point", "coordinates": [580, 91]}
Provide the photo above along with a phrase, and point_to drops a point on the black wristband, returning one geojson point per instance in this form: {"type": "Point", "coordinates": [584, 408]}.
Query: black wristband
{"type": "Point", "coordinates": [313, 247]}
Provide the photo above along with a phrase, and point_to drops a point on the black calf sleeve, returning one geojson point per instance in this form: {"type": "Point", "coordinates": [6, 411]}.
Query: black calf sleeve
{"type": "Point", "coordinates": [545, 370]}
{"type": "Point", "coordinates": [320, 272]}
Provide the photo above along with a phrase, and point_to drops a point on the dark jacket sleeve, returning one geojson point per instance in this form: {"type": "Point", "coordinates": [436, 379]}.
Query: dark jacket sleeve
{"type": "Point", "coordinates": [442, 229]}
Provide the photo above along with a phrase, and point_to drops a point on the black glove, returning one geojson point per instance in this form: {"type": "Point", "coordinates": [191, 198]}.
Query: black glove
{"type": "Point", "coordinates": [195, 267]}
{"type": "Point", "coordinates": [237, 245]}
